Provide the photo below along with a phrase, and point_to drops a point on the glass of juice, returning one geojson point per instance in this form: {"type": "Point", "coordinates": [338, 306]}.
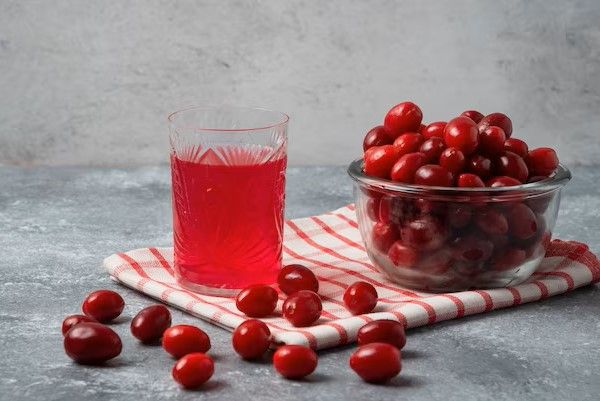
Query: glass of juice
{"type": "Point", "coordinates": [228, 189]}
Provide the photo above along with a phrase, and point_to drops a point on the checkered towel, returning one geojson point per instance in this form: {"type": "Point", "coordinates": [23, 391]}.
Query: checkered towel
{"type": "Point", "coordinates": [330, 244]}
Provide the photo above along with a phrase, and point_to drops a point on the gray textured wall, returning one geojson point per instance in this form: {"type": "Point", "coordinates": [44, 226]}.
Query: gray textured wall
{"type": "Point", "coordinates": [91, 82]}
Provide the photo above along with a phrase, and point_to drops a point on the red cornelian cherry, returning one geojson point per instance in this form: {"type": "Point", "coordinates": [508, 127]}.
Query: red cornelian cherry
{"type": "Point", "coordinates": [74, 320]}
{"type": "Point", "coordinates": [376, 362]}
{"type": "Point", "coordinates": [150, 323]}
{"type": "Point", "coordinates": [516, 146]}
{"type": "Point", "coordinates": [422, 128]}
{"type": "Point", "coordinates": [542, 161]}
{"type": "Point", "coordinates": [193, 370]}
{"type": "Point", "coordinates": [432, 149]}
{"type": "Point", "coordinates": [522, 221]}
{"type": "Point", "coordinates": [361, 297]}
{"type": "Point", "coordinates": [459, 214]}
{"type": "Point", "coordinates": [378, 160]}
{"type": "Point", "coordinates": [372, 207]}
{"type": "Point", "coordinates": [376, 137]}
{"type": "Point", "coordinates": [496, 120]}
{"type": "Point", "coordinates": [491, 141]}
{"type": "Point", "coordinates": [402, 255]}
{"type": "Point", "coordinates": [437, 262]}
{"type": "Point", "coordinates": [433, 175]}
{"type": "Point", "coordinates": [473, 115]}
{"type": "Point", "coordinates": [257, 300]}
{"type": "Point", "coordinates": [508, 259]}
{"type": "Point", "coordinates": [382, 331]}
{"type": "Point", "coordinates": [480, 165]}
{"type": "Point", "coordinates": [302, 308]}
{"type": "Point", "coordinates": [408, 143]}
{"type": "Point", "coordinates": [424, 233]}
{"type": "Point", "coordinates": [383, 236]}
{"type": "Point", "coordinates": [452, 160]}
{"type": "Point", "coordinates": [468, 180]}
{"type": "Point", "coordinates": [512, 165]}
{"type": "Point", "coordinates": [491, 221]}
{"type": "Point", "coordinates": [461, 133]}
{"type": "Point", "coordinates": [472, 249]}
{"type": "Point", "coordinates": [435, 129]}
{"type": "Point", "coordinates": [404, 169]}
{"type": "Point", "coordinates": [183, 339]}
{"type": "Point", "coordinates": [91, 343]}
{"type": "Point", "coordinates": [295, 361]}
{"type": "Point", "coordinates": [403, 117]}
{"type": "Point", "coordinates": [502, 181]}
{"type": "Point", "coordinates": [103, 305]}
{"type": "Point", "coordinates": [293, 278]}
{"type": "Point", "coordinates": [251, 339]}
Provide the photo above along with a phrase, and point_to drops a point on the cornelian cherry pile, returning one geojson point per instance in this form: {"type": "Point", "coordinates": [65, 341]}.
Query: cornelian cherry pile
{"type": "Point", "coordinates": [470, 150]}
{"type": "Point", "coordinates": [87, 341]}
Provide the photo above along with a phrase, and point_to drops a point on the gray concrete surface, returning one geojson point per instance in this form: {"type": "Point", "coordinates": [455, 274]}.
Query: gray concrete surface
{"type": "Point", "coordinates": [91, 82]}
{"type": "Point", "coordinates": [57, 224]}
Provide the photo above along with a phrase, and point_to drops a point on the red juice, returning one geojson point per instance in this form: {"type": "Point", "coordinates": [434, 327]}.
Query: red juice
{"type": "Point", "coordinates": [228, 218]}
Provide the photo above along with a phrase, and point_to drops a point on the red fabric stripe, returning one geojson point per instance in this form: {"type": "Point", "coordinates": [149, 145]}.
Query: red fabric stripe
{"type": "Point", "coordinates": [342, 238]}
{"type": "Point", "coordinates": [400, 316]}
{"type": "Point", "coordinates": [566, 276]}
{"type": "Point", "coordinates": [312, 340]}
{"type": "Point", "coordinates": [341, 332]}
{"type": "Point", "coordinates": [346, 219]}
{"type": "Point", "coordinates": [162, 261]}
{"type": "Point", "coordinates": [515, 294]}
{"type": "Point", "coordinates": [431, 315]}
{"type": "Point", "coordinates": [460, 306]}
{"type": "Point", "coordinates": [543, 289]}
{"type": "Point", "coordinates": [489, 302]}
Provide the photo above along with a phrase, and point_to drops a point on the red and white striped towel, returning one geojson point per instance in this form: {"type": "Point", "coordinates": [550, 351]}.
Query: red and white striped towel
{"type": "Point", "coordinates": [331, 246]}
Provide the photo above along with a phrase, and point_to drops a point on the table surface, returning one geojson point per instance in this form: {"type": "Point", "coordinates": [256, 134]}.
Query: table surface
{"type": "Point", "coordinates": [57, 224]}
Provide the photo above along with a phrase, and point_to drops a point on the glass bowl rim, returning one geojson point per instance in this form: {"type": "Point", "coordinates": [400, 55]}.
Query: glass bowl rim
{"type": "Point", "coordinates": [556, 180]}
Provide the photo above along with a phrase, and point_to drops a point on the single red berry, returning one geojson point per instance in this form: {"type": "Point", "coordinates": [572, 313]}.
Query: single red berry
{"type": "Point", "coordinates": [432, 149]}
{"type": "Point", "coordinates": [296, 277]}
{"type": "Point", "coordinates": [468, 180]}
{"type": "Point", "coordinates": [302, 308]}
{"type": "Point", "coordinates": [372, 208]}
{"type": "Point", "coordinates": [472, 249]}
{"type": "Point", "coordinates": [408, 143]}
{"type": "Point", "coordinates": [452, 160]}
{"type": "Point", "coordinates": [183, 339]}
{"type": "Point", "coordinates": [404, 169]}
{"type": "Point", "coordinates": [360, 298]}
{"type": "Point", "coordinates": [383, 236]}
{"type": "Point", "coordinates": [378, 160]}
{"type": "Point", "coordinates": [193, 370]}
{"type": "Point", "coordinates": [473, 115]}
{"type": "Point", "coordinates": [92, 343]}
{"type": "Point", "coordinates": [434, 129]}
{"type": "Point", "coordinates": [295, 361]}
{"type": "Point", "coordinates": [461, 133]}
{"type": "Point", "coordinates": [496, 120]}
{"type": "Point", "coordinates": [376, 362]}
{"type": "Point", "coordinates": [480, 165]}
{"type": "Point", "coordinates": [433, 175]}
{"type": "Point", "coordinates": [251, 339]}
{"type": "Point", "coordinates": [258, 300]}
{"type": "Point", "coordinates": [402, 255]}
{"type": "Point", "coordinates": [491, 141]}
{"type": "Point", "coordinates": [150, 323]}
{"type": "Point", "coordinates": [542, 161]}
{"type": "Point", "coordinates": [403, 117]}
{"type": "Point", "coordinates": [74, 320]}
{"type": "Point", "coordinates": [376, 137]}
{"type": "Point", "coordinates": [382, 331]}
{"type": "Point", "coordinates": [459, 214]}
{"type": "Point", "coordinates": [103, 305]}
{"type": "Point", "coordinates": [424, 233]}
{"type": "Point", "coordinates": [502, 181]}
{"type": "Point", "coordinates": [512, 165]}
{"type": "Point", "coordinates": [516, 146]}
{"type": "Point", "coordinates": [491, 221]}
{"type": "Point", "coordinates": [508, 259]}
{"type": "Point", "coordinates": [522, 221]}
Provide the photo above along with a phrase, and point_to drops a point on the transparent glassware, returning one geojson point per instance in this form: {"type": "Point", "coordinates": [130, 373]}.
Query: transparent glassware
{"type": "Point", "coordinates": [451, 239]}
{"type": "Point", "coordinates": [228, 190]}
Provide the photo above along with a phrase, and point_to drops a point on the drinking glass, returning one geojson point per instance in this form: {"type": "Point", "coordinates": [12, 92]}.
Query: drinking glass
{"type": "Point", "coordinates": [228, 189]}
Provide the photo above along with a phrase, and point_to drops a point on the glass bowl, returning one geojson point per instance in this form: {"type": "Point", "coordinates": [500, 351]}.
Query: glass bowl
{"type": "Point", "coordinates": [452, 239]}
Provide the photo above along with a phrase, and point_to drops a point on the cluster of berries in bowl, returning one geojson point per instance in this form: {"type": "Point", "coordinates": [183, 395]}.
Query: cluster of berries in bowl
{"type": "Point", "coordinates": [455, 205]}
